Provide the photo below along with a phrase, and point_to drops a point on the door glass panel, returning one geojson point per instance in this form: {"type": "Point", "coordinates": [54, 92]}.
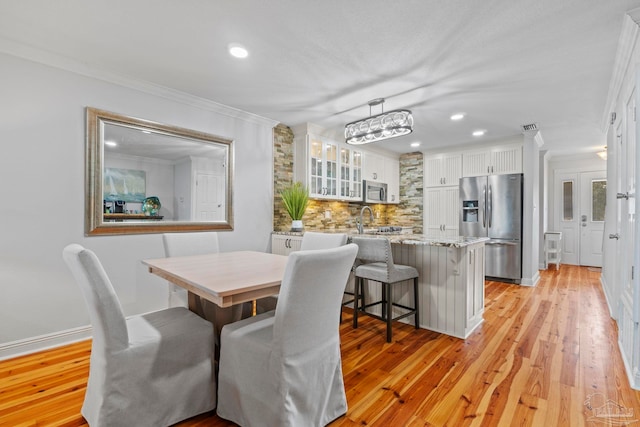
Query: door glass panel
{"type": "Point", "coordinates": [567, 200]}
{"type": "Point", "coordinates": [598, 199]}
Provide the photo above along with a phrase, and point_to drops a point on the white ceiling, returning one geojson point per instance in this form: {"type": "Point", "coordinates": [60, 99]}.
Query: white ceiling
{"type": "Point", "coordinates": [504, 63]}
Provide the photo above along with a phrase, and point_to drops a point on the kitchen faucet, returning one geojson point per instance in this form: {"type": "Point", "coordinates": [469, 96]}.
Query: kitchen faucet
{"type": "Point", "coordinates": [359, 224]}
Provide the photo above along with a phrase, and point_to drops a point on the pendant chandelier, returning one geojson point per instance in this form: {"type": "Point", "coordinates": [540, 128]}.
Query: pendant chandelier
{"type": "Point", "coordinates": [377, 128]}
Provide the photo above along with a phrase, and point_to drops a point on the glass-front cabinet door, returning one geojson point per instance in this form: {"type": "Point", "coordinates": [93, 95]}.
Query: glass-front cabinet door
{"type": "Point", "coordinates": [350, 174]}
{"type": "Point", "coordinates": [323, 168]}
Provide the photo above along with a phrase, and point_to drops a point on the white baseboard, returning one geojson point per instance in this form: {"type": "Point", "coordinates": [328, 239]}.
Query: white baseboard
{"type": "Point", "coordinates": [634, 381]}
{"type": "Point", "coordinates": [43, 342]}
{"type": "Point", "coordinates": [532, 281]}
{"type": "Point", "coordinates": [605, 289]}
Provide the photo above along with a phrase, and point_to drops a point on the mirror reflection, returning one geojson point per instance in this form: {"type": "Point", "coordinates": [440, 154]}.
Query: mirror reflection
{"type": "Point", "coordinates": [145, 177]}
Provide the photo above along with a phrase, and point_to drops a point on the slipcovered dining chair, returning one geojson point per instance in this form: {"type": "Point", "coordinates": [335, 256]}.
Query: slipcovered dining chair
{"type": "Point", "coordinates": [311, 240]}
{"type": "Point", "coordinates": [283, 368]}
{"type": "Point", "coordinates": [200, 243]}
{"type": "Point", "coordinates": [375, 263]}
{"type": "Point", "coordinates": [147, 370]}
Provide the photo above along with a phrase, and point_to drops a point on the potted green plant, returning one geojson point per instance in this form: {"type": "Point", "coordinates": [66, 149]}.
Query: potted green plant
{"type": "Point", "coordinates": [295, 199]}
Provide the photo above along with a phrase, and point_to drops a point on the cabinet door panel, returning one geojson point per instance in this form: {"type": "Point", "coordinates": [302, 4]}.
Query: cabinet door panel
{"type": "Point", "coordinates": [432, 211]}
{"type": "Point", "coordinates": [373, 167]}
{"type": "Point", "coordinates": [450, 206]}
{"type": "Point", "coordinates": [432, 172]}
{"type": "Point", "coordinates": [451, 169]}
{"type": "Point", "coordinates": [392, 177]}
{"type": "Point", "coordinates": [476, 164]}
{"type": "Point", "coordinates": [508, 160]}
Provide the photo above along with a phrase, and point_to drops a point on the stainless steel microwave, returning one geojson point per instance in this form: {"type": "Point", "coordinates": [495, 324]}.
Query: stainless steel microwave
{"type": "Point", "coordinates": [374, 192]}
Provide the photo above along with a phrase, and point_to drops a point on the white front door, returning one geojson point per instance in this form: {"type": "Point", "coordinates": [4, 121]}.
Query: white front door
{"type": "Point", "coordinates": [579, 210]}
{"type": "Point", "coordinates": [593, 191]}
{"type": "Point", "coordinates": [567, 217]}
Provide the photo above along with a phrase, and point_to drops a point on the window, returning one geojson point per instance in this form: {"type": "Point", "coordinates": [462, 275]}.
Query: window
{"type": "Point", "coordinates": [598, 199]}
{"type": "Point", "coordinates": [567, 200]}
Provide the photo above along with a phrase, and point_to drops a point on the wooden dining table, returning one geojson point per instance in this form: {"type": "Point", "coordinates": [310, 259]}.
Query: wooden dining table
{"type": "Point", "coordinates": [225, 278]}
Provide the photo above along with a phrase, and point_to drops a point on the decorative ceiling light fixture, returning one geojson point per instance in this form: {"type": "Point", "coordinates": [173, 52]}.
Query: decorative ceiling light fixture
{"type": "Point", "coordinates": [376, 128]}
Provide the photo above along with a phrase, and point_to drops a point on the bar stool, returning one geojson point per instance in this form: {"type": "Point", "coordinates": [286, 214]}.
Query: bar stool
{"type": "Point", "coordinates": [377, 265]}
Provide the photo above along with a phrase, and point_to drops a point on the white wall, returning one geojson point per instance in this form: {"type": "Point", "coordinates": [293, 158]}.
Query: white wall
{"type": "Point", "coordinates": [622, 257]}
{"type": "Point", "coordinates": [42, 132]}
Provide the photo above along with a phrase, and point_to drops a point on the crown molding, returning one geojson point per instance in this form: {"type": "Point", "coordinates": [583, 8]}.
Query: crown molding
{"type": "Point", "coordinates": [626, 45]}
{"type": "Point", "coordinates": [19, 50]}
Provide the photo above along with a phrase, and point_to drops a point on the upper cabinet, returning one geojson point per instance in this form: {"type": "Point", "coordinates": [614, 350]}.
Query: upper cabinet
{"type": "Point", "coordinates": [384, 169]}
{"type": "Point", "coordinates": [373, 167]}
{"type": "Point", "coordinates": [330, 170]}
{"type": "Point", "coordinates": [442, 170]}
{"type": "Point", "coordinates": [350, 173]}
{"type": "Point", "coordinates": [323, 168]}
{"type": "Point", "coordinates": [392, 178]}
{"type": "Point", "coordinates": [335, 170]}
{"type": "Point", "coordinates": [493, 161]}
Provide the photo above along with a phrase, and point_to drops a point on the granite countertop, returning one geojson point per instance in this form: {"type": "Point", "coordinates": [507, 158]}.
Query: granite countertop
{"type": "Point", "coordinates": [404, 239]}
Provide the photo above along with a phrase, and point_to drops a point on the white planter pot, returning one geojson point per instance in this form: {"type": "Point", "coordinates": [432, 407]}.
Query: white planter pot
{"type": "Point", "coordinates": [296, 225]}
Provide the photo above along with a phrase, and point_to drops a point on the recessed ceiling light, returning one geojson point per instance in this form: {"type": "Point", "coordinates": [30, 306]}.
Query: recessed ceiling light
{"type": "Point", "coordinates": [110, 143]}
{"type": "Point", "coordinates": [415, 144]}
{"type": "Point", "coordinates": [238, 51]}
{"type": "Point", "coordinates": [479, 132]}
{"type": "Point", "coordinates": [457, 116]}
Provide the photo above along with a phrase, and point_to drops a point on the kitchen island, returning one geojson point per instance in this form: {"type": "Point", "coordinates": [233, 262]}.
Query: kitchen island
{"type": "Point", "coordinates": [451, 282]}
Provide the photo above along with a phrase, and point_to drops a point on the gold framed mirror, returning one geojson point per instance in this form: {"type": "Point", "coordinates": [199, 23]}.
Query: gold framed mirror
{"type": "Point", "coordinates": [146, 177]}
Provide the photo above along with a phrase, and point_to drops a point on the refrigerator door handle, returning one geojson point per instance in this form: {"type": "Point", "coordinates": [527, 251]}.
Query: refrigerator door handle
{"type": "Point", "coordinates": [484, 206]}
{"type": "Point", "coordinates": [490, 206]}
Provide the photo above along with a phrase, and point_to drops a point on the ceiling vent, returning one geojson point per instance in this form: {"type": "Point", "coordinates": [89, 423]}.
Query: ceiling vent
{"type": "Point", "coordinates": [531, 126]}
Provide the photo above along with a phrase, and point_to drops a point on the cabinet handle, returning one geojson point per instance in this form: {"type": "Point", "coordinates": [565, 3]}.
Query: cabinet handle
{"type": "Point", "coordinates": [491, 169]}
{"type": "Point", "coordinates": [488, 169]}
{"type": "Point", "coordinates": [444, 180]}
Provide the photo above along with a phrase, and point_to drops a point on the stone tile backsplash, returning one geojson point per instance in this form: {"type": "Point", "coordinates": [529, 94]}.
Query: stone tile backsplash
{"type": "Point", "coordinates": [342, 214]}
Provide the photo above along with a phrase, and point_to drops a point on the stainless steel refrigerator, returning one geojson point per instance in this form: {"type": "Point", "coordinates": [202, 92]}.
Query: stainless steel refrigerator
{"type": "Point", "coordinates": [491, 206]}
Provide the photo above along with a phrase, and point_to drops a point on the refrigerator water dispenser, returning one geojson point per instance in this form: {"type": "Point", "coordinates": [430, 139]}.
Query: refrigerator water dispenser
{"type": "Point", "coordinates": [470, 211]}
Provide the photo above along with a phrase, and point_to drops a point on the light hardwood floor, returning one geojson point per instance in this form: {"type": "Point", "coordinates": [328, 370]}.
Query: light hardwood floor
{"type": "Point", "coordinates": [545, 356]}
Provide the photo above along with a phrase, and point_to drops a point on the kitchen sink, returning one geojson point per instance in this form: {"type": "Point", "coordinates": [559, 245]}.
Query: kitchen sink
{"type": "Point", "coordinates": [384, 230]}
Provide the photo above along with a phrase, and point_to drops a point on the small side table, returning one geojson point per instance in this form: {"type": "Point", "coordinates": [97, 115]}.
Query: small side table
{"type": "Point", "coordinates": [552, 248]}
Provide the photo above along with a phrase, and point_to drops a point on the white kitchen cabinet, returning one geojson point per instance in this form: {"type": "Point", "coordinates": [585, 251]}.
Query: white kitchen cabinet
{"type": "Point", "coordinates": [283, 244]}
{"type": "Point", "coordinates": [331, 170]}
{"type": "Point", "coordinates": [441, 211]}
{"type": "Point", "coordinates": [373, 167]}
{"type": "Point", "coordinates": [392, 178]}
{"type": "Point", "coordinates": [350, 173]}
{"type": "Point", "coordinates": [442, 170]}
{"type": "Point", "coordinates": [322, 167]}
{"type": "Point", "coordinates": [493, 161]}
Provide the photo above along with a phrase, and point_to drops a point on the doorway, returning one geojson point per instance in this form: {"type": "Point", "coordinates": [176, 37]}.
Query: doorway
{"type": "Point", "coordinates": [580, 205]}
{"type": "Point", "coordinates": [209, 197]}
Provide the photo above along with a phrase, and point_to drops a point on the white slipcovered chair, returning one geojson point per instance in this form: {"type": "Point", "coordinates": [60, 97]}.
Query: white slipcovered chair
{"type": "Point", "coordinates": [311, 240]}
{"type": "Point", "coordinates": [148, 370]}
{"type": "Point", "coordinates": [200, 243]}
{"type": "Point", "coordinates": [283, 368]}
{"type": "Point", "coordinates": [185, 244]}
